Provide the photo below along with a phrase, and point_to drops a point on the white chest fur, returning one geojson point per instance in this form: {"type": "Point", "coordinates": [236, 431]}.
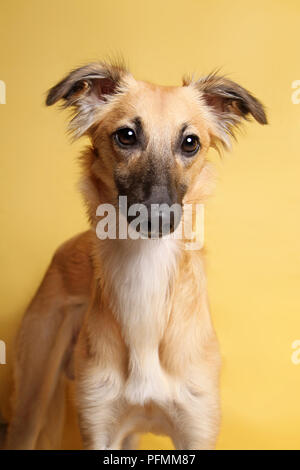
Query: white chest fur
{"type": "Point", "coordinates": [140, 273]}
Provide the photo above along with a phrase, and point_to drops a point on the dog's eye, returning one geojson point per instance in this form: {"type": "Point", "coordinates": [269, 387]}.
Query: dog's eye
{"type": "Point", "coordinates": [125, 137]}
{"type": "Point", "coordinates": [190, 145]}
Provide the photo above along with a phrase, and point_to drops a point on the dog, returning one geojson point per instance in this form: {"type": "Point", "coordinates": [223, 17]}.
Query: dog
{"type": "Point", "coordinates": [128, 319]}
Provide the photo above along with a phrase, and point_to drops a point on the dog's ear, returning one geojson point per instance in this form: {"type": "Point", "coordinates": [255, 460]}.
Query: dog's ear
{"type": "Point", "coordinates": [228, 103]}
{"type": "Point", "coordinates": [86, 90]}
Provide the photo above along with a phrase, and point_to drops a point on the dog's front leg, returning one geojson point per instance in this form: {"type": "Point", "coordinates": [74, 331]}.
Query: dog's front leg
{"type": "Point", "coordinates": [100, 408]}
{"type": "Point", "coordinates": [195, 420]}
{"type": "Point", "coordinates": [100, 374]}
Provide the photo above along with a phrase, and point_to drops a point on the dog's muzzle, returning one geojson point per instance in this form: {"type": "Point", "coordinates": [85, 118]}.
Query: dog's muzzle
{"type": "Point", "coordinates": [159, 215]}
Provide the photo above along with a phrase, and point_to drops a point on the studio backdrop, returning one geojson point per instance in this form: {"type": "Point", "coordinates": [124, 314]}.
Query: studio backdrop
{"type": "Point", "coordinates": [252, 223]}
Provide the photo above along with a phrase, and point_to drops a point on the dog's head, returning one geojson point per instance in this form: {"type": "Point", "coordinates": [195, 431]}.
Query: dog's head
{"type": "Point", "coordinates": [149, 142]}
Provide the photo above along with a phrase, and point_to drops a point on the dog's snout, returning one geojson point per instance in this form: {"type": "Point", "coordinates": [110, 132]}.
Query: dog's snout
{"type": "Point", "coordinates": [160, 218]}
{"type": "Point", "coordinates": [160, 195]}
{"type": "Point", "coordinates": [162, 213]}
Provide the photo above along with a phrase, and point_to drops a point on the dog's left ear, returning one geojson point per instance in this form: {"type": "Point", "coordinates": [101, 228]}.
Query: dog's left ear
{"type": "Point", "coordinates": [87, 90]}
{"type": "Point", "coordinates": [228, 103]}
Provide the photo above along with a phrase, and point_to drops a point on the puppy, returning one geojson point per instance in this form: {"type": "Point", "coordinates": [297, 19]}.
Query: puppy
{"type": "Point", "coordinates": [128, 318]}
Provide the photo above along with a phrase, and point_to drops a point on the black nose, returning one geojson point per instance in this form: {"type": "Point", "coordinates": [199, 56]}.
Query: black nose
{"type": "Point", "coordinates": [160, 195]}
{"type": "Point", "coordinates": [162, 214]}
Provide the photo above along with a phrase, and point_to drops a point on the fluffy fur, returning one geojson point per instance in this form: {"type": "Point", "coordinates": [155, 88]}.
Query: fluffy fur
{"type": "Point", "coordinates": [128, 320]}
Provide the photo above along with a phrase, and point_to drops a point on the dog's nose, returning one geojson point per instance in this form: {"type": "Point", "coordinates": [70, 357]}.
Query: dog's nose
{"type": "Point", "coordinates": [159, 214]}
{"type": "Point", "coordinates": [160, 195]}
{"type": "Point", "coordinates": [164, 213]}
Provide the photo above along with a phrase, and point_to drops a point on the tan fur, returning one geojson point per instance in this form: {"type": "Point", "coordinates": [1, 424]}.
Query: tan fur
{"type": "Point", "coordinates": [146, 357]}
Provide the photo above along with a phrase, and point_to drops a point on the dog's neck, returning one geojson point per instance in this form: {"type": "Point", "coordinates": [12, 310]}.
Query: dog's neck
{"type": "Point", "coordinates": [139, 274]}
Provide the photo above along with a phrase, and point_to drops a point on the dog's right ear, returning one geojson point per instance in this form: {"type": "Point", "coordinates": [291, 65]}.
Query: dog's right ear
{"type": "Point", "coordinates": [86, 90]}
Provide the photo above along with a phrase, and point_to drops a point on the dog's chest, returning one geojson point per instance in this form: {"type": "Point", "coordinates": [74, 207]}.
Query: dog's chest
{"type": "Point", "coordinates": [141, 276]}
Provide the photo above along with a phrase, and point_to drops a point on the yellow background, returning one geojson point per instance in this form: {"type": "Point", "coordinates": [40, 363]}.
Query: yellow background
{"type": "Point", "coordinates": [252, 222]}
